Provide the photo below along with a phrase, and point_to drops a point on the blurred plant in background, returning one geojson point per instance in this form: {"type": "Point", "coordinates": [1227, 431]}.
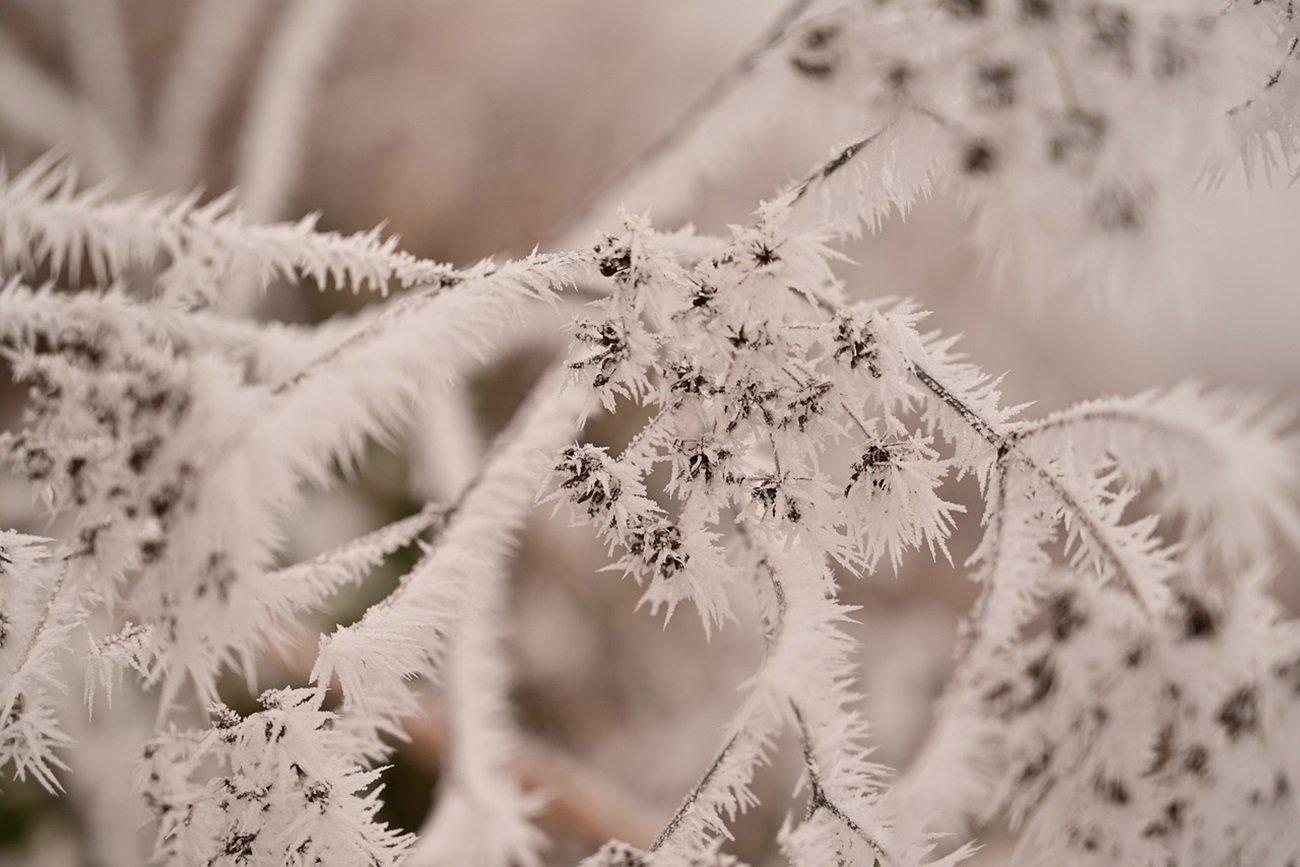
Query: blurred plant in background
{"type": "Point", "coordinates": [275, 547]}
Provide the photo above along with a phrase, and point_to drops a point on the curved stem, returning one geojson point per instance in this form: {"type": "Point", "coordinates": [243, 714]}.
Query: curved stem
{"type": "Point", "coordinates": [1121, 415]}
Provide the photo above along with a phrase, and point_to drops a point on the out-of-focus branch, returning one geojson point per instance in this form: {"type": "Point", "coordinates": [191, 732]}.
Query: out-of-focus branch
{"type": "Point", "coordinates": [573, 231]}
{"type": "Point", "coordinates": [44, 110]}
{"type": "Point", "coordinates": [200, 77]}
{"type": "Point", "coordinates": [580, 803]}
{"type": "Point", "coordinates": [281, 99]}
{"type": "Point", "coordinates": [101, 64]}
{"type": "Point", "coordinates": [33, 103]}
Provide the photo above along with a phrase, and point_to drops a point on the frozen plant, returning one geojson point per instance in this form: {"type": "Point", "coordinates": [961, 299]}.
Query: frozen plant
{"type": "Point", "coordinates": [1126, 689]}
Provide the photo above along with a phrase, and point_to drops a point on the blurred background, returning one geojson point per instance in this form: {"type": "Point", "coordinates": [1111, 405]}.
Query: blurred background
{"type": "Point", "coordinates": [475, 129]}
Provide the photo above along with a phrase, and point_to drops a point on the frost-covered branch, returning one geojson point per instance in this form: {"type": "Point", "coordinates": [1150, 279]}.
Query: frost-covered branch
{"type": "Point", "coordinates": [34, 622]}
{"type": "Point", "coordinates": [403, 635]}
{"type": "Point", "coordinates": [287, 784]}
{"type": "Point", "coordinates": [47, 220]}
{"type": "Point", "coordinates": [1125, 690]}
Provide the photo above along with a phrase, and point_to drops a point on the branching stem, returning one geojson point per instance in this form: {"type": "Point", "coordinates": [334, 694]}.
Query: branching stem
{"type": "Point", "coordinates": [1007, 443]}
{"type": "Point", "coordinates": [819, 800]}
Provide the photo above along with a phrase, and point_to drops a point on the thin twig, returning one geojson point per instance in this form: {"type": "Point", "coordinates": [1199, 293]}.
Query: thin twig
{"type": "Point", "coordinates": [1006, 442]}
{"type": "Point", "coordinates": [1272, 79]}
{"type": "Point", "coordinates": [1117, 415]}
{"type": "Point", "coordinates": [14, 686]}
{"type": "Point", "coordinates": [997, 505]}
{"type": "Point", "coordinates": [978, 423]}
{"type": "Point", "coordinates": [836, 163]}
{"type": "Point", "coordinates": [771, 635]}
{"type": "Point", "coordinates": [819, 800]}
{"type": "Point", "coordinates": [694, 794]}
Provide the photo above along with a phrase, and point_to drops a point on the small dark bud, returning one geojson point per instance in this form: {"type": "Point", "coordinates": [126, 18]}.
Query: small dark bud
{"type": "Point", "coordinates": [1038, 11]}
{"type": "Point", "coordinates": [995, 86]}
{"type": "Point", "coordinates": [142, 454]}
{"type": "Point", "coordinates": [38, 464]}
{"type": "Point", "coordinates": [873, 464]}
{"type": "Point", "coordinates": [1065, 617]}
{"type": "Point", "coordinates": [899, 76]}
{"type": "Point", "coordinates": [1038, 766]}
{"type": "Point", "coordinates": [965, 8]}
{"type": "Point", "coordinates": [1077, 137]}
{"type": "Point", "coordinates": [765, 254]}
{"type": "Point", "coordinates": [1112, 791]}
{"type": "Point", "coordinates": [1112, 31]}
{"type": "Point", "coordinates": [979, 158]}
{"type": "Point", "coordinates": [152, 550]}
{"type": "Point", "coordinates": [817, 55]}
{"type": "Point", "coordinates": [1042, 681]}
{"type": "Point", "coordinates": [1197, 621]}
{"type": "Point", "coordinates": [1135, 655]}
{"type": "Point", "coordinates": [855, 343]}
{"type": "Point", "coordinates": [1239, 713]}
{"type": "Point", "coordinates": [1118, 210]}
{"type": "Point", "coordinates": [615, 264]}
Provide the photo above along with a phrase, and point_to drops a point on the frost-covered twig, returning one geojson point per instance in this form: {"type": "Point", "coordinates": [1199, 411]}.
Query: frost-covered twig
{"type": "Point", "coordinates": [34, 621]}
{"type": "Point", "coordinates": [1124, 693]}
{"type": "Point", "coordinates": [1123, 556]}
{"type": "Point", "coordinates": [410, 625]}
{"type": "Point", "coordinates": [46, 220]}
